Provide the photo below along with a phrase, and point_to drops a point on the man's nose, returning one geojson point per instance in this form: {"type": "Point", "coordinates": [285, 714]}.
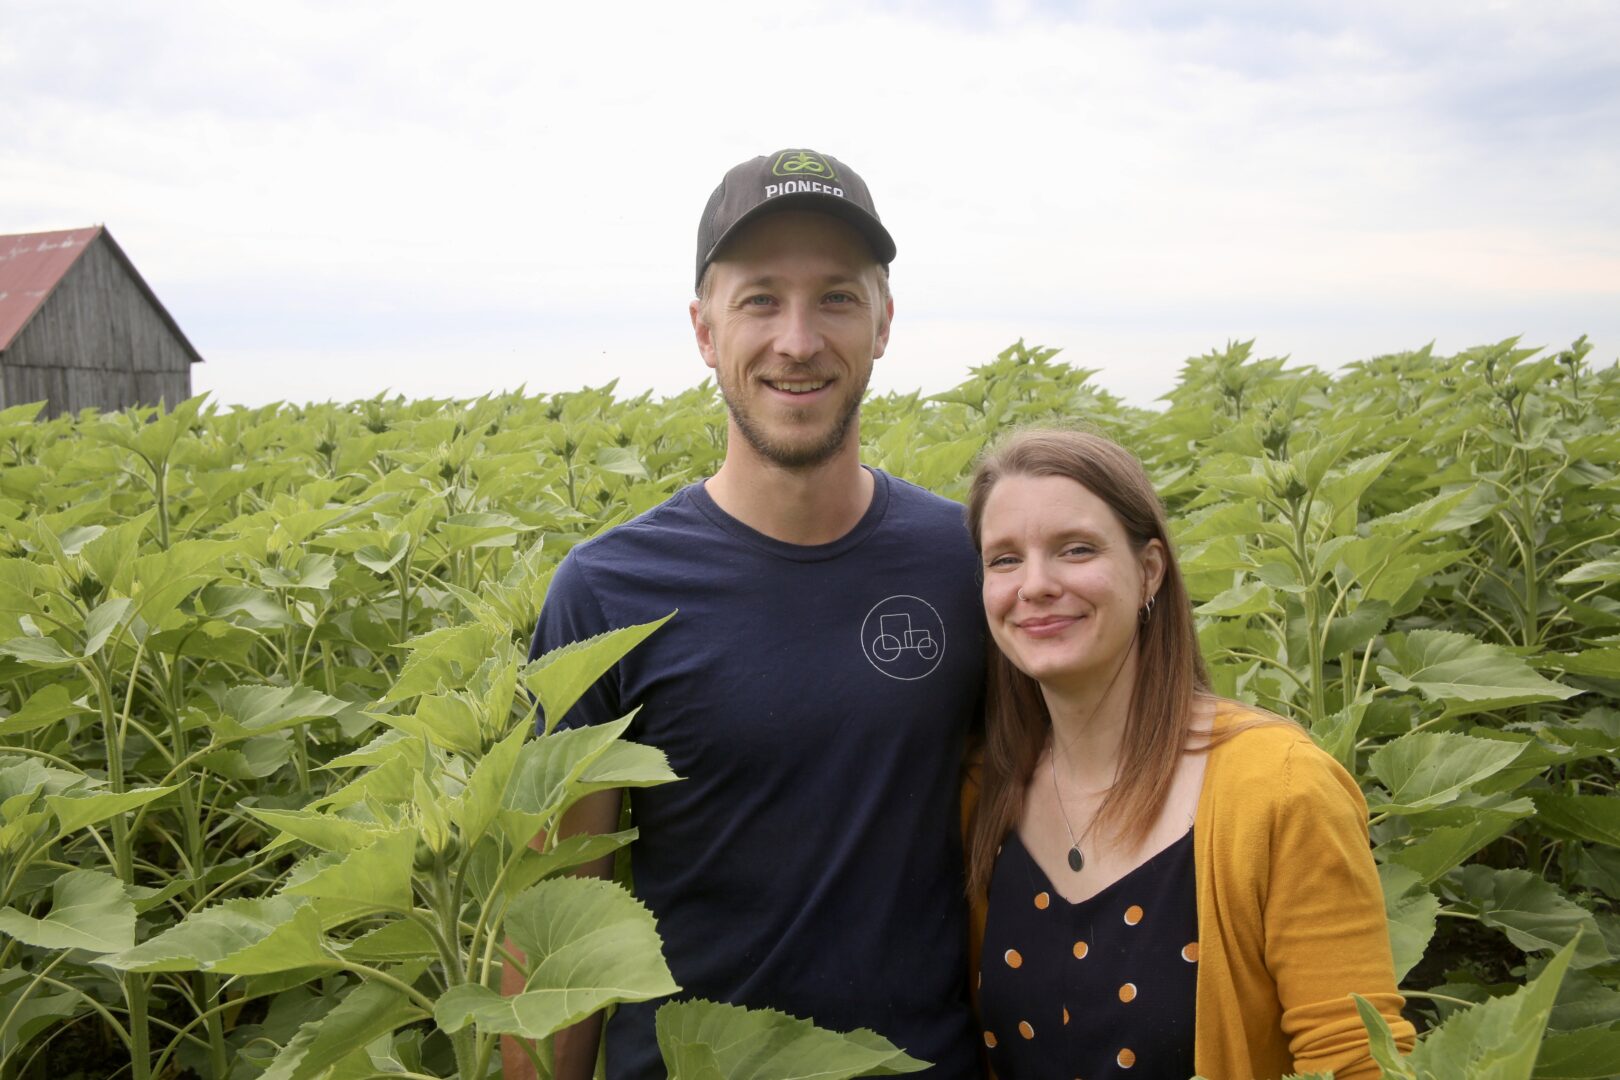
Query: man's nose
{"type": "Point", "coordinates": [800, 336]}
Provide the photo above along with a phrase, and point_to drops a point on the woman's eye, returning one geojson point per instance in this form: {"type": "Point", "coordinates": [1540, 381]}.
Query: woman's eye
{"type": "Point", "coordinates": [1001, 560]}
{"type": "Point", "coordinates": [1078, 549]}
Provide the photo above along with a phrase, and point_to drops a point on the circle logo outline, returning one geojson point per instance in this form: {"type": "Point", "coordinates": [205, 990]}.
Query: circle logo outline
{"type": "Point", "coordinates": [897, 635]}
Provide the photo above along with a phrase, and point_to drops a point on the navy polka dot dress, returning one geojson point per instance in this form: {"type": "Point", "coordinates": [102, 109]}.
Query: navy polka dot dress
{"type": "Point", "coordinates": [1105, 987]}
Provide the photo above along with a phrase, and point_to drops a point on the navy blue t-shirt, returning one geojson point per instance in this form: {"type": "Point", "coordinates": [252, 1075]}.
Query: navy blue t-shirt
{"type": "Point", "coordinates": [815, 699]}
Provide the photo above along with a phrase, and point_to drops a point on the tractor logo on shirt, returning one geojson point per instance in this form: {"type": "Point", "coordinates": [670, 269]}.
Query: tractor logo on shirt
{"type": "Point", "coordinates": [903, 637]}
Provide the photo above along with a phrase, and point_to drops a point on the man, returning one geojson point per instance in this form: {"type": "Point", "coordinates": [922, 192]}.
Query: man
{"type": "Point", "coordinates": [816, 685]}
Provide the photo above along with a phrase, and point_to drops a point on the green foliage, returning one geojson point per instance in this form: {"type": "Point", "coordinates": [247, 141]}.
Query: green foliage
{"type": "Point", "coordinates": [1498, 1040]}
{"type": "Point", "coordinates": [89, 910]}
{"type": "Point", "coordinates": [702, 1040]}
{"type": "Point", "coordinates": [267, 768]}
{"type": "Point", "coordinates": [588, 943]}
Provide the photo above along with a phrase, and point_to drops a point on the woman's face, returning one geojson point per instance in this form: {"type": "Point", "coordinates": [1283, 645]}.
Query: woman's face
{"type": "Point", "coordinates": [1063, 587]}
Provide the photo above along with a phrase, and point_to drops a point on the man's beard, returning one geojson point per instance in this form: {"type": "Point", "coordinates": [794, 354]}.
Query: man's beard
{"type": "Point", "coordinates": [791, 455]}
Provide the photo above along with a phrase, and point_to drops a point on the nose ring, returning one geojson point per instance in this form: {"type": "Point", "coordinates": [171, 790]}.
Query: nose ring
{"type": "Point", "coordinates": [1022, 597]}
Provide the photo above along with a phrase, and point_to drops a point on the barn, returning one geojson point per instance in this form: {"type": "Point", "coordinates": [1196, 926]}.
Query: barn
{"type": "Point", "coordinates": [80, 328]}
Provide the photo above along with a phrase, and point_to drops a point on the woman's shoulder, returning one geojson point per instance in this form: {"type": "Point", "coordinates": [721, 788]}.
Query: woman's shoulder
{"type": "Point", "coordinates": [1241, 718]}
{"type": "Point", "coordinates": [1235, 724]}
{"type": "Point", "coordinates": [1266, 754]}
{"type": "Point", "coordinates": [973, 766]}
{"type": "Point", "coordinates": [972, 783]}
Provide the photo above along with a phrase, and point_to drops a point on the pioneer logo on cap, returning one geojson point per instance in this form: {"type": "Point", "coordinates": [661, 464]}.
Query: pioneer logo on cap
{"type": "Point", "coordinates": [809, 172]}
{"type": "Point", "coordinates": [802, 164]}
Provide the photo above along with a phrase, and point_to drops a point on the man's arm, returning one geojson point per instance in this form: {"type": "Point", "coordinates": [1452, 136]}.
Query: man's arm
{"type": "Point", "coordinates": [571, 612]}
{"type": "Point", "coordinates": [575, 1047]}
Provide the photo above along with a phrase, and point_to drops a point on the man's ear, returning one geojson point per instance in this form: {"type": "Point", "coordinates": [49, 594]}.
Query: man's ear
{"type": "Point", "coordinates": [883, 327]}
{"type": "Point", "coordinates": [704, 333]}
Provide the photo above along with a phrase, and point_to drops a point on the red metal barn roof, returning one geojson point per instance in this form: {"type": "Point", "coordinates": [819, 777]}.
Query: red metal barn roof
{"type": "Point", "coordinates": [32, 264]}
{"type": "Point", "coordinates": [30, 267]}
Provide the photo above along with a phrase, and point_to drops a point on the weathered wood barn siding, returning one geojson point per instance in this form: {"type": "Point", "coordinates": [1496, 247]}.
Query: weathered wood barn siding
{"type": "Point", "coordinates": [100, 339]}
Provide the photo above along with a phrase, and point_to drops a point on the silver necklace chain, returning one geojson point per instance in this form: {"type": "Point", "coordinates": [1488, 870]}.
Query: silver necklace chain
{"type": "Point", "coordinates": [1077, 858]}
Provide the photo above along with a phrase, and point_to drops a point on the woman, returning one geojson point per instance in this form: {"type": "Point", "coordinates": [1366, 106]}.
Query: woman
{"type": "Point", "coordinates": [1165, 882]}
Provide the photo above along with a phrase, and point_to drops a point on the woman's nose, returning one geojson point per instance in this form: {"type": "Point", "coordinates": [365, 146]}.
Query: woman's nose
{"type": "Point", "coordinates": [1037, 583]}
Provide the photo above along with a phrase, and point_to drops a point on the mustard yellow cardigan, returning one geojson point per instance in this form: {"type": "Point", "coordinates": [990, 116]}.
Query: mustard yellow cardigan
{"type": "Point", "coordinates": [1290, 912]}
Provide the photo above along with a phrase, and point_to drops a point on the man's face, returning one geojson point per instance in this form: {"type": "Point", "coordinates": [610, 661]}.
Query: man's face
{"type": "Point", "coordinates": [795, 316]}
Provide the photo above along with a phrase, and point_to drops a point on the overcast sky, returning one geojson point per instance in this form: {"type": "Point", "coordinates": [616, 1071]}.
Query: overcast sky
{"type": "Point", "coordinates": [336, 199]}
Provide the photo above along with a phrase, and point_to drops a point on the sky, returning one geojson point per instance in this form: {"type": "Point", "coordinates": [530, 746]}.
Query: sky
{"type": "Point", "coordinates": [336, 200]}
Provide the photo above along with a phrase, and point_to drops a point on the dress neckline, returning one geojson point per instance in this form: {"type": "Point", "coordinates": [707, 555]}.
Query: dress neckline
{"type": "Point", "coordinates": [1185, 839]}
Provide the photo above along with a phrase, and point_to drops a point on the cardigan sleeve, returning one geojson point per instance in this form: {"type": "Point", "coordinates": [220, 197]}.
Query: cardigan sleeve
{"type": "Point", "coordinates": [1326, 934]}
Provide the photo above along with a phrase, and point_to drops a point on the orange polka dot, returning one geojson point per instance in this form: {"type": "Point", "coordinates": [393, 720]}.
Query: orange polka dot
{"type": "Point", "coordinates": [990, 1039]}
{"type": "Point", "coordinates": [1189, 952]}
{"type": "Point", "coordinates": [1125, 1058]}
{"type": "Point", "coordinates": [1080, 950]}
{"type": "Point", "coordinates": [1043, 900]}
{"type": "Point", "coordinates": [1025, 1030]}
{"type": "Point", "coordinates": [1133, 915]}
{"type": "Point", "coordinates": [1127, 992]}
{"type": "Point", "coordinates": [1013, 959]}
{"type": "Point", "coordinates": [1065, 1017]}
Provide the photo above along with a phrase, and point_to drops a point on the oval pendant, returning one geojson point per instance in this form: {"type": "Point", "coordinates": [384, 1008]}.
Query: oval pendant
{"type": "Point", "coordinates": [1077, 861]}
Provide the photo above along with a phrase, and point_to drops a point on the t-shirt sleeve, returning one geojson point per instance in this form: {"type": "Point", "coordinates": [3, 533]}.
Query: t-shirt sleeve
{"type": "Point", "coordinates": [571, 612]}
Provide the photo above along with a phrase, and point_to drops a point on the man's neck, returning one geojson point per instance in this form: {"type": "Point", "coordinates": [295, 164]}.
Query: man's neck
{"type": "Point", "coordinates": [815, 505]}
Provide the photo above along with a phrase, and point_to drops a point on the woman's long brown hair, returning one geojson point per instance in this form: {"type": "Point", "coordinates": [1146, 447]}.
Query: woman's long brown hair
{"type": "Point", "coordinates": [1169, 667]}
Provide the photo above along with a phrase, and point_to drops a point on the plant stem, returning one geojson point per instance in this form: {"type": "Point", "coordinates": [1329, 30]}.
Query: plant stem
{"type": "Point", "coordinates": [1313, 622]}
{"type": "Point", "coordinates": [215, 1025]}
{"type": "Point", "coordinates": [5, 1025]}
{"type": "Point", "coordinates": [160, 489]}
{"type": "Point", "coordinates": [1431, 996]}
{"type": "Point", "coordinates": [140, 1035]}
{"type": "Point", "coordinates": [422, 1001]}
{"type": "Point", "coordinates": [101, 1010]}
{"type": "Point", "coordinates": [113, 734]}
{"type": "Point", "coordinates": [403, 576]}
{"type": "Point", "coordinates": [301, 756]}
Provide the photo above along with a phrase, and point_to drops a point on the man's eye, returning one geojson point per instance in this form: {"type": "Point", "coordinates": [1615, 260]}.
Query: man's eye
{"type": "Point", "coordinates": [762, 300]}
{"type": "Point", "coordinates": [840, 298]}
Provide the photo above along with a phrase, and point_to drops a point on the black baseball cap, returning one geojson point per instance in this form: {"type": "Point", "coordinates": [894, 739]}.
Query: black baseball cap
{"type": "Point", "coordinates": [789, 180]}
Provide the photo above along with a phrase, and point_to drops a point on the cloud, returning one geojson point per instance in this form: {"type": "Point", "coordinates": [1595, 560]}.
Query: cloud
{"type": "Point", "coordinates": [424, 197]}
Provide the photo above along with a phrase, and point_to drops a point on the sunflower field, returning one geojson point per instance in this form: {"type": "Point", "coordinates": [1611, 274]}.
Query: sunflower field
{"type": "Point", "coordinates": [268, 773]}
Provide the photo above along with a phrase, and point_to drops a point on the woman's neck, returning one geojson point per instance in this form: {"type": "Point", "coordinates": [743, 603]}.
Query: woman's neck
{"type": "Point", "coordinates": [1088, 726]}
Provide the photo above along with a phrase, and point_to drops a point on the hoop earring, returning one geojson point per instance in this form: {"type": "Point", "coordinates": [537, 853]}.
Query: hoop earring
{"type": "Point", "coordinates": [1147, 610]}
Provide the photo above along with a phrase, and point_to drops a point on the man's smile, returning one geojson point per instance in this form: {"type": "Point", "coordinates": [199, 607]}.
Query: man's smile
{"type": "Point", "coordinates": [797, 387]}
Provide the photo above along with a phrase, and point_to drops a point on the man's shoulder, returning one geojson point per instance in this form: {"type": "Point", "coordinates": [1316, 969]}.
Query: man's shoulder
{"type": "Point", "coordinates": [649, 530]}
{"type": "Point", "coordinates": [610, 579]}
{"type": "Point", "coordinates": [916, 505]}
